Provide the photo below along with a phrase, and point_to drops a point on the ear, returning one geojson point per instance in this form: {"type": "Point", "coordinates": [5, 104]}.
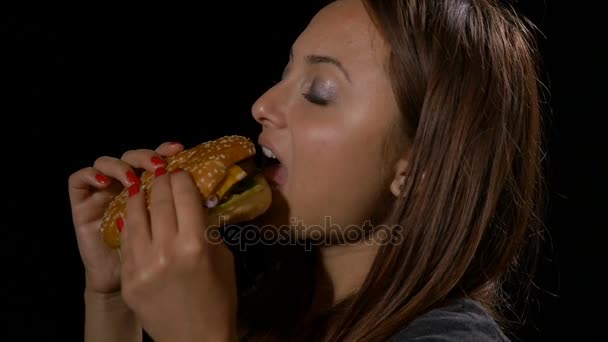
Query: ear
{"type": "Point", "coordinates": [399, 177]}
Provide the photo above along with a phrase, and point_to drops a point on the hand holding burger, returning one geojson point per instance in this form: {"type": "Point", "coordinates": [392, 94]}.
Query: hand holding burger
{"type": "Point", "coordinates": [179, 284]}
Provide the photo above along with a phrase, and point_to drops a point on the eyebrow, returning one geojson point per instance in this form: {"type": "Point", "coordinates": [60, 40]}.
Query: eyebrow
{"type": "Point", "coordinates": [317, 59]}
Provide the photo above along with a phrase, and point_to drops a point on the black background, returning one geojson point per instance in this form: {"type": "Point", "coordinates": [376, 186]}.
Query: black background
{"type": "Point", "coordinates": [80, 81]}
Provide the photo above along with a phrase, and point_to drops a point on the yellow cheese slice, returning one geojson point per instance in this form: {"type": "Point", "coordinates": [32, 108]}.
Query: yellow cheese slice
{"type": "Point", "coordinates": [233, 176]}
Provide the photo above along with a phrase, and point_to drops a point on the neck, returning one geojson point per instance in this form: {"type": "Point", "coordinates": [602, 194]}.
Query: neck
{"type": "Point", "coordinates": [346, 266]}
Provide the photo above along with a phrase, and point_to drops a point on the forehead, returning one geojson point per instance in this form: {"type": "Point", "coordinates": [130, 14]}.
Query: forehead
{"type": "Point", "coordinates": [344, 31]}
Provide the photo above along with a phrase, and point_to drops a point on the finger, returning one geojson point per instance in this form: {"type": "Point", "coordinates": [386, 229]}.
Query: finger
{"type": "Point", "coordinates": [125, 252]}
{"type": "Point", "coordinates": [136, 230]}
{"type": "Point", "coordinates": [163, 218]}
{"type": "Point", "coordinates": [81, 181]}
{"type": "Point", "coordinates": [118, 169]}
{"type": "Point", "coordinates": [191, 213]}
{"type": "Point", "coordinates": [143, 159]}
{"type": "Point", "coordinates": [150, 160]}
{"type": "Point", "coordinates": [123, 235]}
{"type": "Point", "coordinates": [168, 149]}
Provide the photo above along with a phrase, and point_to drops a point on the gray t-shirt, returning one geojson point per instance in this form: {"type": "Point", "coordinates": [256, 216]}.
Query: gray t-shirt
{"type": "Point", "coordinates": [461, 320]}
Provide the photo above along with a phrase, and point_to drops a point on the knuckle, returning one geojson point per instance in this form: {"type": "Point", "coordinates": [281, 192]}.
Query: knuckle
{"type": "Point", "coordinates": [128, 155]}
{"type": "Point", "coordinates": [192, 251]}
{"type": "Point", "coordinates": [137, 157]}
{"type": "Point", "coordinates": [75, 176]}
{"type": "Point", "coordinates": [163, 146]}
{"type": "Point", "coordinates": [142, 278]}
{"type": "Point", "coordinates": [101, 161]}
{"type": "Point", "coordinates": [162, 259]}
{"type": "Point", "coordinates": [135, 284]}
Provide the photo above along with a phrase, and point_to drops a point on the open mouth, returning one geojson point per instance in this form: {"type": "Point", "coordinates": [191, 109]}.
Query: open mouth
{"type": "Point", "coordinates": [272, 168]}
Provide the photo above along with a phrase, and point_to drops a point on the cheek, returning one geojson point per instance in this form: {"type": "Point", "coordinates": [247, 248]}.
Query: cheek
{"type": "Point", "coordinates": [335, 162]}
{"type": "Point", "coordinates": [335, 177]}
{"type": "Point", "coordinates": [355, 178]}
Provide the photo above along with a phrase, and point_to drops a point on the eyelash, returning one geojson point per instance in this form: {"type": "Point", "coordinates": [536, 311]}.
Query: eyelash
{"type": "Point", "coordinates": [315, 99]}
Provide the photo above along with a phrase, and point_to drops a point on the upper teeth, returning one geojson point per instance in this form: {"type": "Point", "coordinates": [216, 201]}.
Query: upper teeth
{"type": "Point", "coordinates": [268, 153]}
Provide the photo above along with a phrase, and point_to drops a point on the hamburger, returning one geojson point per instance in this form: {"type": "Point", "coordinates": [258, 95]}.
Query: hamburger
{"type": "Point", "coordinates": [224, 170]}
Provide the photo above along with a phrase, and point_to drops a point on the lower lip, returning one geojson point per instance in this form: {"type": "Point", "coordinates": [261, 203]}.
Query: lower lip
{"type": "Point", "coordinates": [276, 174]}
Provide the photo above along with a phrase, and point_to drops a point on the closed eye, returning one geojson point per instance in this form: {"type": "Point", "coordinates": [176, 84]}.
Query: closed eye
{"type": "Point", "coordinates": [314, 98]}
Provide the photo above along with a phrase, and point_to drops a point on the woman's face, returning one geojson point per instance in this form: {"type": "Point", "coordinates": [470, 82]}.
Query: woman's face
{"type": "Point", "coordinates": [327, 119]}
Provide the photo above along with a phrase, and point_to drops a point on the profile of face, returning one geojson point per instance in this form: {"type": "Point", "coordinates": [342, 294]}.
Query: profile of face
{"type": "Point", "coordinates": [327, 119]}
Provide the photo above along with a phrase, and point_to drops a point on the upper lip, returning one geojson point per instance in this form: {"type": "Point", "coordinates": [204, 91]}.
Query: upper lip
{"type": "Point", "coordinates": [263, 141]}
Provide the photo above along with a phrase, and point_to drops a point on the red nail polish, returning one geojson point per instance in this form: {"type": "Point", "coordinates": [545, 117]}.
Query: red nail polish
{"type": "Point", "coordinates": [133, 190]}
{"type": "Point", "coordinates": [132, 177]}
{"type": "Point", "coordinates": [101, 178]}
{"type": "Point", "coordinates": [177, 170]}
{"type": "Point", "coordinates": [157, 161]}
{"type": "Point", "coordinates": [160, 171]}
{"type": "Point", "coordinates": [120, 224]}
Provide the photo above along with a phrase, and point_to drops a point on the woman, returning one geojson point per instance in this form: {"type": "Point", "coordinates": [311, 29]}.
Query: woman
{"type": "Point", "coordinates": [415, 123]}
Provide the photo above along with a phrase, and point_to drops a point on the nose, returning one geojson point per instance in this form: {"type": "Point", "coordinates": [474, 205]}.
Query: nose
{"type": "Point", "coordinates": [268, 110]}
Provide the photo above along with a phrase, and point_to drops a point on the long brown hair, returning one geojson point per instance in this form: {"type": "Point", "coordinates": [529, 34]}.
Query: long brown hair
{"type": "Point", "coordinates": [465, 74]}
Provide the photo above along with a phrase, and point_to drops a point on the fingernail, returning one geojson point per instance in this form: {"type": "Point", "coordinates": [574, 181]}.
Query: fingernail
{"type": "Point", "coordinates": [177, 170]}
{"type": "Point", "coordinates": [174, 143]}
{"type": "Point", "coordinates": [133, 190]}
{"type": "Point", "coordinates": [157, 161]}
{"type": "Point", "coordinates": [160, 171]}
{"type": "Point", "coordinates": [101, 178]}
{"type": "Point", "coordinates": [212, 201]}
{"type": "Point", "coordinates": [132, 177]}
{"type": "Point", "coordinates": [120, 224]}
